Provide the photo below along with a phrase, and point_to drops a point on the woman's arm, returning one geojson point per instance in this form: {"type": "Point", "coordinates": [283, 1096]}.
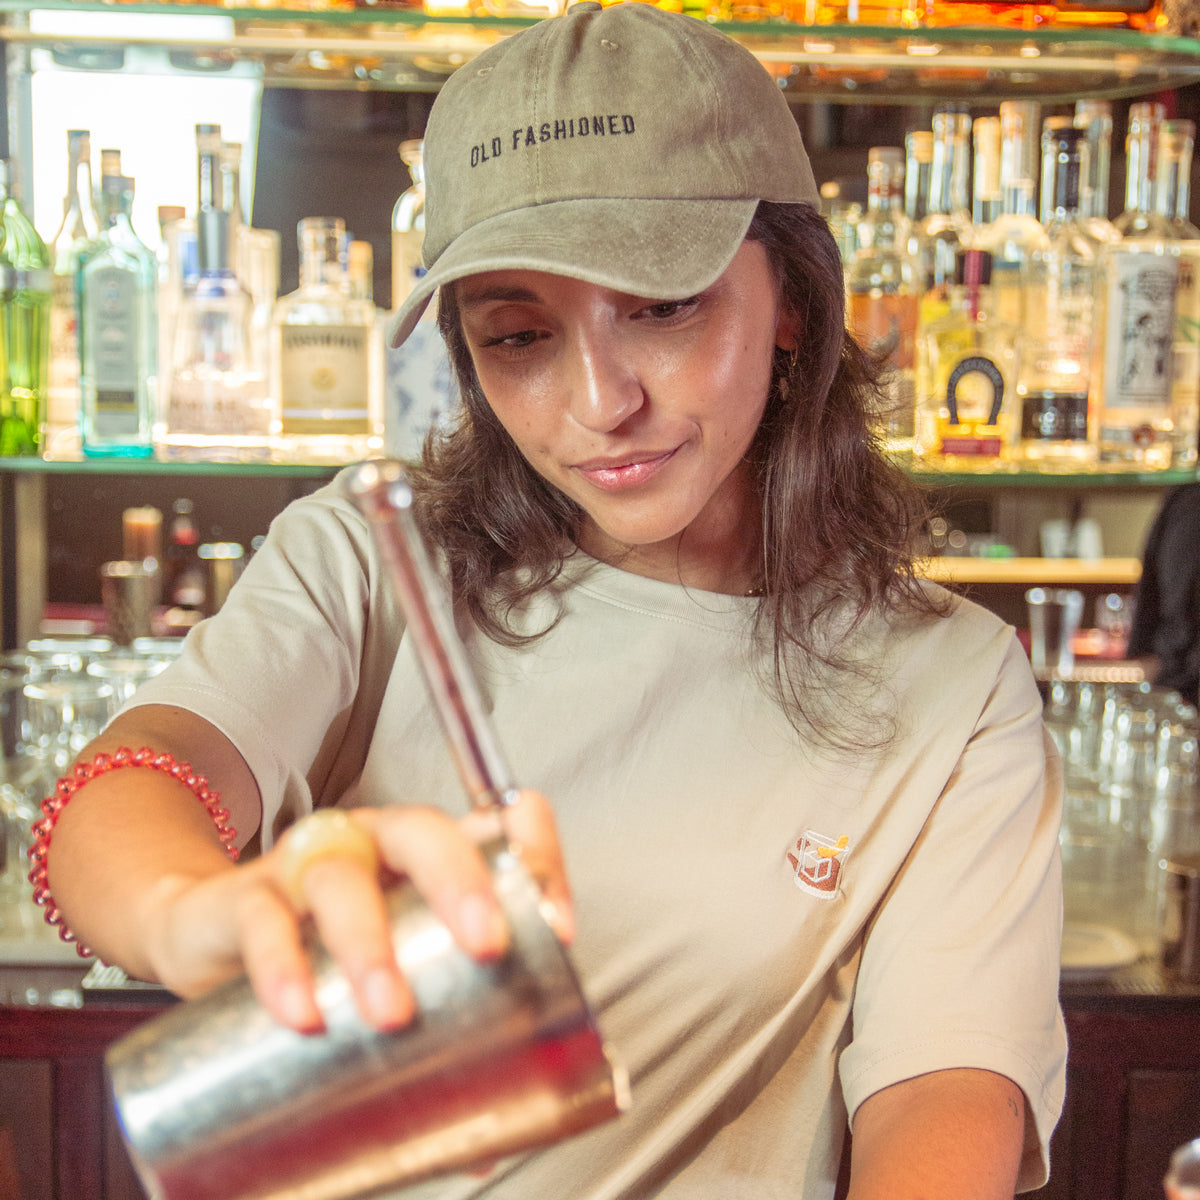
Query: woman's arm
{"type": "Point", "coordinates": [138, 872]}
{"type": "Point", "coordinates": [947, 1135]}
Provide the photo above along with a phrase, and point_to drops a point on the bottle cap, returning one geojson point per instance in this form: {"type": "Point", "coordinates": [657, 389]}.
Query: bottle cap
{"type": "Point", "coordinates": [973, 267]}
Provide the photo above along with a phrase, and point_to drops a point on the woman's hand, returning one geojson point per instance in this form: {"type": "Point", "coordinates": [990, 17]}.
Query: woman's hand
{"type": "Point", "coordinates": [263, 910]}
{"type": "Point", "coordinates": [140, 876]}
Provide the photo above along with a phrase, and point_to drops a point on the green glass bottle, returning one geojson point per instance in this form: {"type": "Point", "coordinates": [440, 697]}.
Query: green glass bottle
{"type": "Point", "coordinates": [25, 291]}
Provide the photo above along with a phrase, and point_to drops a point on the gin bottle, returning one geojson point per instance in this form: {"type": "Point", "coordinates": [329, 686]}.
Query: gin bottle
{"type": "Point", "coordinates": [118, 333]}
{"type": "Point", "coordinates": [326, 362]}
{"type": "Point", "coordinates": [26, 283]}
{"type": "Point", "coordinates": [969, 419]}
{"type": "Point", "coordinates": [883, 290]}
{"type": "Point", "coordinates": [80, 226]}
{"type": "Point", "coordinates": [1055, 368]}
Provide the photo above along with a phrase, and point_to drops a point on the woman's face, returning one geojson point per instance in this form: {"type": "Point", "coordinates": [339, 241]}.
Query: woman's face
{"type": "Point", "coordinates": [640, 410]}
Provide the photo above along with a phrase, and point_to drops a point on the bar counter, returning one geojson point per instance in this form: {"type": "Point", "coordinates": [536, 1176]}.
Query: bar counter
{"type": "Point", "coordinates": [1133, 1086]}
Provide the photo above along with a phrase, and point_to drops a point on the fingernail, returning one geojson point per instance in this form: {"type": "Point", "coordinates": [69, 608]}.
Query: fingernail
{"type": "Point", "coordinates": [384, 999]}
{"type": "Point", "coordinates": [482, 925]}
{"type": "Point", "coordinates": [298, 1008]}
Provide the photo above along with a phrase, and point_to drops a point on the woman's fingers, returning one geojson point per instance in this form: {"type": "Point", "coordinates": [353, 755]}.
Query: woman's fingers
{"type": "Point", "coordinates": [344, 897]}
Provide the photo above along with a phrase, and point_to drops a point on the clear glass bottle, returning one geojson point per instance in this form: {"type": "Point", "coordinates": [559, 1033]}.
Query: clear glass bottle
{"type": "Point", "coordinates": [969, 420]}
{"type": "Point", "coordinates": [218, 405]}
{"type": "Point", "coordinates": [255, 253]}
{"type": "Point", "coordinates": [1056, 351]}
{"type": "Point", "coordinates": [408, 226]}
{"type": "Point", "coordinates": [1095, 118]}
{"type": "Point", "coordinates": [987, 202]}
{"type": "Point", "coordinates": [26, 288]}
{"type": "Point", "coordinates": [1140, 215]}
{"type": "Point", "coordinates": [1173, 202]}
{"type": "Point", "coordinates": [918, 165]}
{"type": "Point", "coordinates": [80, 226]}
{"type": "Point", "coordinates": [118, 333]}
{"type": "Point", "coordinates": [1015, 236]}
{"type": "Point", "coordinates": [883, 289]}
{"type": "Point", "coordinates": [177, 273]}
{"type": "Point", "coordinates": [1133, 368]}
{"type": "Point", "coordinates": [946, 227]}
{"type": "Point", "coordinates": [325, 361]}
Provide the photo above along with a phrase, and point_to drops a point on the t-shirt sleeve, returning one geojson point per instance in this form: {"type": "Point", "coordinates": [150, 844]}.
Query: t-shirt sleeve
{"type": "Point", "coordinates": [285, 668]}
{"type": "Point", "coordinates": [960, 965]}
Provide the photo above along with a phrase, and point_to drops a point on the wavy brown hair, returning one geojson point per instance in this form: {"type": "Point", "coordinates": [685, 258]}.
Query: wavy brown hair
{"type": "Point", "coordinates": [840, 522]}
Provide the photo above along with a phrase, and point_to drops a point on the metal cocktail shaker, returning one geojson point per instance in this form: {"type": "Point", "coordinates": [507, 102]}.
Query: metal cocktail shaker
{"type": "Point", "coordinates": [218, 1102]}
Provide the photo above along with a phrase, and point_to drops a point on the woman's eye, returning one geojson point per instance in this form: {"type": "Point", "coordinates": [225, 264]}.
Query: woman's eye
{"type": "Point", "coordinates": [514, 341]}
{"type": "Point", "coordinates": [665, 309]}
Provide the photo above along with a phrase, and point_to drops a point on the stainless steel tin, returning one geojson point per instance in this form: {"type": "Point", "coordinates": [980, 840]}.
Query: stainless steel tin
{"type": "Point", "coordinates": [1179, 936]}
{"type": "Point", "coordinates": [218, 1102]}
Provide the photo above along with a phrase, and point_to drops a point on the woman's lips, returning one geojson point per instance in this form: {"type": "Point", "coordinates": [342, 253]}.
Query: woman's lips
{"type": "Point", "coordinates": [617, 475]}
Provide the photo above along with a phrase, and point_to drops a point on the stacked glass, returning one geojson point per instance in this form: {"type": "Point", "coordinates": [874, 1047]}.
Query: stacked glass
{"type": "Point", "coordinates": [55, 696]}
{"type": "Point", "coordinates": [1132, 801]}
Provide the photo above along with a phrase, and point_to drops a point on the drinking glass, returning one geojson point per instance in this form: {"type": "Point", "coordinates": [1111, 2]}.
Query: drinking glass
{"type": "Point", "coordinates": [1054, 615]}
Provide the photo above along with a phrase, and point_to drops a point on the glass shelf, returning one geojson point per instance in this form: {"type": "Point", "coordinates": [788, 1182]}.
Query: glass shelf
{"type": "Point", "coordinates": [389, 48]}
{"type": "Point", "coordinates": [1055, 481]}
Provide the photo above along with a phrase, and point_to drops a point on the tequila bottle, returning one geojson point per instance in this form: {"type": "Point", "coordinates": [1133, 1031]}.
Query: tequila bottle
{"type": "Point", "coordinates": [1016, 235]}
{"type": "Point", "coordinates": [1173, 201]}
{"type": "Point", "coordinates": [80, 226]}
{"type": "Point", "coordinates": [325, 355]}
{"type": "Point", "coordinates": [118, 333]}
{"type": "Point", "coordinates": [1094, 117]}
{"type": "Point", "coordinates": [969, 419]}
{"type": "Point", "coordinates": [1140, 215]}
{"type": "Point", "coordinates": [986, 196]}
{"type": "Point", "coordinates": [883, 290]}
{"type": "Point", "coordinates": [1055, 369]}
{"type": "Point", "coordinates": [26, 284]}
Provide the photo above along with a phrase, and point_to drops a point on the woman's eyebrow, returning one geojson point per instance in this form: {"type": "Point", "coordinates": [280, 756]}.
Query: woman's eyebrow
{"type": "Point", "coordinates": [470, 297]}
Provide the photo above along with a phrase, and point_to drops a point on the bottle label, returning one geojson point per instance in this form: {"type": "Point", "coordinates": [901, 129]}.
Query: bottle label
{"type": "Point", "coordinates": [1139, 331]}
{"type": "Point", "coordinates": [1050, 416]}
{"type": "Point", "coordinates": [972, 424]}
{"type": "Point", "coordinates": [324, 379]}
{"type": "Point", "coordinates": [111, 315]}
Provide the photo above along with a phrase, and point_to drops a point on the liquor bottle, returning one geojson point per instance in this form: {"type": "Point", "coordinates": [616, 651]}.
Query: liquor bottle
{"type": "Point", "coordinates": [80, 226]}
{"type": "Point", "coordinates": [118, 333]}
{"type": "Point", "coordinates": [177, 272]}
{"type": "Point", "coordinates": [255, 253]}
{"type": "Point", "coordinates": [26, 286]}
{"type": "Point", "coordinates": [218, 406]}
{"type": "Point", "coordinates": [1056, 349]}
{"type": "Point", "coordinates": [419, 390]}
{"type": "Point", "coordinates": [1140, 215]}
{"type": "Point", "coordinates": [183, 575]}
{"type": "Point", "coordinates": [918, 163]}
{"type": "Point", "coordinates": [1016, 235]}
{"type": "Point", "coordinates": [325, 362]}
{"type": "Point", "coordinates": [1147, 15]}
{"type": "Point", "coordinates": [987, 198]}
{"type": "Point", "coordinates": [883, 289]}
{"type": "Point", "coordinates": [408, 226]}
{"type": "Point", "coordinates": [968, 420]}
{"type": "Point", "coordinates": [1173, 201]}
{"type": "Point", "coordinates": [1133, 365]}
{"type": "Point", "coordinates": [946, 227]}
{"type": "Point", "coordinates": [1095, 118]}
{"type": "Point", "coordinates": [360, 271]}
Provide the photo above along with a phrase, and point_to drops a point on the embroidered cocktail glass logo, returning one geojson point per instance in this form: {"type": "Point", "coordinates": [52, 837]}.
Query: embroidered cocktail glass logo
{"type": "Point", "coordinates": [817, 863]}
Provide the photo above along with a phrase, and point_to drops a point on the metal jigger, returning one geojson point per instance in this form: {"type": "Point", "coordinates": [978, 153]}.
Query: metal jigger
{"type": "Point", "coordinates": [218, 1102]}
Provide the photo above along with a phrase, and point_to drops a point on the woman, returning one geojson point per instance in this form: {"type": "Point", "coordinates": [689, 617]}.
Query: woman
{"type": "Point", "coordinates": [804, 799]}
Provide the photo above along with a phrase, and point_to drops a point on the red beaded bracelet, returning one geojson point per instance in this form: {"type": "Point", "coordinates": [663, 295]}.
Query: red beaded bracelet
{"type": "Point", "coordinates": [68, 785]}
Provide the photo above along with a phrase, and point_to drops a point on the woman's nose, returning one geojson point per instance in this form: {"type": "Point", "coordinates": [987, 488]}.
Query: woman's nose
{"type": "Point", "coordinates": [605, 387]}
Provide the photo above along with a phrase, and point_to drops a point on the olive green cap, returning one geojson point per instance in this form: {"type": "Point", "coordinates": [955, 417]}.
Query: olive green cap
{"type": "Point", "coordinates": [625, 146]}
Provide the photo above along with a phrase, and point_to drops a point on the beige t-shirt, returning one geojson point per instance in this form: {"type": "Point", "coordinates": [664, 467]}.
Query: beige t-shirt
{"type": "Point", "coordinates": [769, 932]}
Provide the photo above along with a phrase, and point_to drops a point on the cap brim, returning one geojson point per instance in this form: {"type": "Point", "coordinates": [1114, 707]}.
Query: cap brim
{"type": "Point", "coordinates": [667, 249]}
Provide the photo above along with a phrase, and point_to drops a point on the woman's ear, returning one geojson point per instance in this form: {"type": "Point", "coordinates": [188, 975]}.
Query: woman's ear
{"type": "Point", "coordinates": [787, 330]}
